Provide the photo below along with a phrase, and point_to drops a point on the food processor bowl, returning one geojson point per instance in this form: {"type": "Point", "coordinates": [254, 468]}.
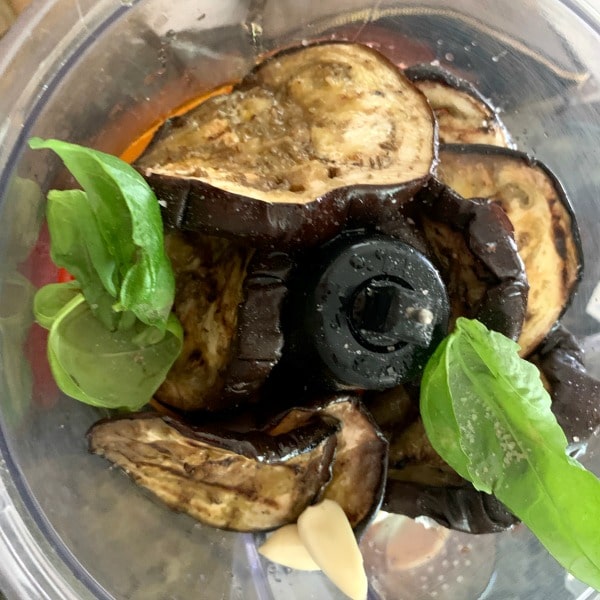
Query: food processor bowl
{"type": "Point", "coordinates": [103, 72]}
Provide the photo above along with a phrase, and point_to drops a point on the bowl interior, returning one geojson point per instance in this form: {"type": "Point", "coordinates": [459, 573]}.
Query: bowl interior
{"type": "Point", "coordinates": [110, 76]}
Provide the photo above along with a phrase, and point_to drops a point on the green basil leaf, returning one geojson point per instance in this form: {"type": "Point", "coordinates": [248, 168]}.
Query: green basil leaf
{"type": "Point", "coordinates": [108, 368]}
{"type": "Point", "coordinates": [77, 244]}
{"type": "Point", "coordinates": [51, 299]}
{"type": "Point", "coordinates": [488, 415]}
{"type": "Point", "coordinates": [127, 216]}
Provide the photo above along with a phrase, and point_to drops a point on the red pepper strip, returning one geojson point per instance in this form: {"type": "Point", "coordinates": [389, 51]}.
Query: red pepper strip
{"type": "Point", "coordinates": [64, 276]}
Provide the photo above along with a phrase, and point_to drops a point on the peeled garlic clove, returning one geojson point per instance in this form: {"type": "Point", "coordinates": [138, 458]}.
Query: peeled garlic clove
{"type": "Point", "coordinates": [326, 532]}
{"type": "Point", "coordinates": [285, 547]}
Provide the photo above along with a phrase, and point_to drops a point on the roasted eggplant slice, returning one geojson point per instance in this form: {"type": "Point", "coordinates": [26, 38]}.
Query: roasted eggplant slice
{"type": "Point", "coordinates": [546, 232]}
{"type": "Point", "coordinates": [360, 465]}
{"type": "Point", "coordinates": [463, 114]}
{"type": "Point", "coordinates": [259, 342]}
{"type": "Point", "coordinates": [462, 508]}
{"type": "Point", "coordinates": [575, 394]}
{"type": "Point", "coordinates": [246, 482]}
{"type": "Point", "coordinates": [266, 162]}
{"type": "Point", "coordinates": [228, 301]}
{"type": "Point", "coordinates": [473, 246]}
{"type": "Point", "coordinates": [420, 483]}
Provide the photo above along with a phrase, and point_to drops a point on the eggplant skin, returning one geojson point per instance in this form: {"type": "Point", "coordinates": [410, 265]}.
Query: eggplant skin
{"type": "Point", "coordinates": [575, 394]}
{"type": "Point", "coordinates": [228, 299]}
{"type": "Point", "coordinates": [259, 341]}
{"type": "Point", "coordinates": [359, 470]}
{"type": "Point", "coordinates": [472, 244]}
{"type": "Point", "coordinates": [244, 482]}
{"type": "Point", "coordinates": [459, 508]}
{"type": "Point", "coordinates": [463, 114]}
{"type": "Point", "coordinates": [312, 138]}
{"type": "Point", "coordinates": [420, 483]}
{"type": "Point", "coordinates": [545, 227]}
{"type": "Point", "coordinates": [209, 278]}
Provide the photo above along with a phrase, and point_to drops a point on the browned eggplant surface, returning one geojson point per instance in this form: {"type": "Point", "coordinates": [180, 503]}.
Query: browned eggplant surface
{"type": "Point", "coordinates": [360, 465]}
{"type": "Point", "coordinates": [545, 229]}
{"type": "Point", "coordinates": [209, 275]}
{"type": "Point", "coordinates": [360, 462]}
{"type": "Point", "coordinates": [264, 162]}
{"type": "Point", "coordinates": [253, 482]}
{"type": "Point", "coordinates": [464, 116]}
{"type": "Point", "coordinates": [228, 300]}
{"type": "Point", "coordinates": [472, 244]}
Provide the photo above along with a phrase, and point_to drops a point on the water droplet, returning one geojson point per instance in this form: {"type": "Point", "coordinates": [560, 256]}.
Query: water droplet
{"type": "Point", "coordinates": [358, 262]}
{"type": "Point", "coordinates": [449, 56]}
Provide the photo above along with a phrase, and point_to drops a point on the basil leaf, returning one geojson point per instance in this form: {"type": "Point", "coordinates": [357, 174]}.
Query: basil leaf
{"type": "Point", "coordinates": [127, 217]}
{"type": "Point", "coordinates": [77, 244]}
{"type": "Point", "coordinates": [51, 299]}
{"type": "Point", "coordinates": [488, 415]}
{"type": "Point", "coordinates": [108, 368]}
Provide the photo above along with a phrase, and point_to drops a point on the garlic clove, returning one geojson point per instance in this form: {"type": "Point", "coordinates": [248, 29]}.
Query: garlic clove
{"type": "Point", "coordinates": [326, 532]}
{"type": "Point", "coordinates": [285, 547]}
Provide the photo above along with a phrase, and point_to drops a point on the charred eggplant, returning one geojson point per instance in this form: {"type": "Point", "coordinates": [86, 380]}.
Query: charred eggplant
{"type": "Point", "coordinates": [360, 462]}
{"type": "Point", "coordinates": [246, 482]}
{"type": "Point", "coordinates": [266, 162]}
{"type": "Point", "coordinates": [360, 458]}
{"type": "Point", "coordinates": [228, 301]}
{"type": "Point", "coordinates": [464, 116]}
{"type": "Point", "coordinates": [545, 228]}
{"type": "Point", "coordinates": [472, 245]}
{"type": "Point", "coordinates": [321, 151]}
{"type": "Point", "coordinates": [575, 393]}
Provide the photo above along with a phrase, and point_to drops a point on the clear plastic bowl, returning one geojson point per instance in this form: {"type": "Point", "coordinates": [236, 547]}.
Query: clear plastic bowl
{"type": "Point", "coordinates": [100, 72]}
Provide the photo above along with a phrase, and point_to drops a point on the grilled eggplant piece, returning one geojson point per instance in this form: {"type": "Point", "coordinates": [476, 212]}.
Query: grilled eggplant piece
{"type": "Point", "coordinates": [228, 301]}
{"type": "Point", "coordinates": [546, 232]}
{"type": "Point", "coordinates": [472, 245]}
{"type": "Point", "coordinates": [463, 114]}
{"type": "Point", "coordinates": [312, 138]}
{"type": "Point", "coordinates": [360, 465]}
{"type": "Point", "coordinates": [419, 482]}
{"type": "Point", "coordinates": [259, 342]}
{"type": "Point", "coordinates": [575, 394]}
{"type": "Point", "coordinates": [254, 481]}
{"type": "Point", "coordinates": [462, 508]}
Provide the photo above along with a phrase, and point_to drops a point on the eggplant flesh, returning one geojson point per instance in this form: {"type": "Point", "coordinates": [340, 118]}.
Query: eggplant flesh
{"type": "Point", "coordinates": [244, 482]}
{"type": "Point", "coordinates": [360, 466]}
{"type": "Point", "coordinates": [360, 463]}
{"type": "Point", "coordinates": [209, 280]}
{"type": "Point", "coordinates": [464, 116]}
{"type": "Point", "coordinates": [267, 161]}
{"type": "Point", "coordinates": [546, 232]}
{"type": "Point", "coordinates": [472, 244]}
{"type": "Point", "coordinates": [209, 277]}
{"type": "Point", "coordinates": [228, 300]}
{"type": "Point", "coordinates": [301, 124]}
